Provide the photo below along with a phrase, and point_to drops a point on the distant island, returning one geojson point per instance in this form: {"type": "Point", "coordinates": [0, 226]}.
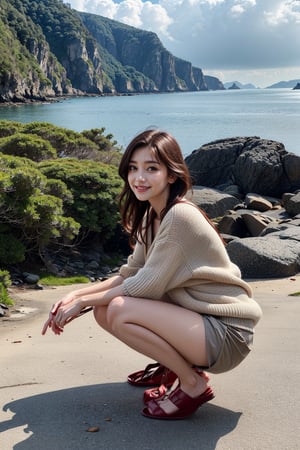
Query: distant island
{"type": "Point", "coordinates": [284, 84]}
{"type": "Point", "coordinates": [291, 84]}
{"type": "Point", "coordinates": [232, 84]}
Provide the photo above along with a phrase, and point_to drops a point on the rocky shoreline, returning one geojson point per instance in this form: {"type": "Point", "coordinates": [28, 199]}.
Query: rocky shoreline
{"type": "Point", "coordinates": [250, 188]}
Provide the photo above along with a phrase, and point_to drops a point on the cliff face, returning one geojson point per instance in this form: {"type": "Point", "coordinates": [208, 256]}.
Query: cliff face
{"type": "Point", "coordinates": [144, 52]}
{"type": "Point", "coordinates": [28, 69]}
{"type": "Point", "coordinates": [48, 49]}
{"type": "Point", "coordinates": [213, 83]}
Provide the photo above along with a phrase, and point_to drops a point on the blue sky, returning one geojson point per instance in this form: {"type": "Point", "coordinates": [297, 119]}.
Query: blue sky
{"type": "Point", "coordinates": [254, 41]}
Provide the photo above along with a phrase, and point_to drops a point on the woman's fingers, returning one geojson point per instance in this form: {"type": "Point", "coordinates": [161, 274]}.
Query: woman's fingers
{"type": "Point", "coordinates": [60, 315]}
{"type": "Point", "coordinates": [46, 326]}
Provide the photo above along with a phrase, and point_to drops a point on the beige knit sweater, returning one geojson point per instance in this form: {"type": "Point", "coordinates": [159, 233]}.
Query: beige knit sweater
{"type": "Point", "coordinates": [188, 261]}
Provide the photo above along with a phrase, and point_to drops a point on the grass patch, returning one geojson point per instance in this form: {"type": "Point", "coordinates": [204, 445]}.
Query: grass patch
{"type": "Point", "coordinates": [52, 280]}
{"type": "Point", "coordinates": [295, 294]}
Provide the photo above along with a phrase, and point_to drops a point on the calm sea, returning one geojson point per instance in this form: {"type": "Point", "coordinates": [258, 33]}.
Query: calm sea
{"type": "Point", "coordinates": [194, 118]}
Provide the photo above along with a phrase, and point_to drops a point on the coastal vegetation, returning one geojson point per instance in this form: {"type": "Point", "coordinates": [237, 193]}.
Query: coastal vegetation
{"type": "Point", "coordinates": [57, 189]}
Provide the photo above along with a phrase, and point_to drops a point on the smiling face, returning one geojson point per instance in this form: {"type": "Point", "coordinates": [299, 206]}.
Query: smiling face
{"type": "Point", "coordinates": [148, 178]}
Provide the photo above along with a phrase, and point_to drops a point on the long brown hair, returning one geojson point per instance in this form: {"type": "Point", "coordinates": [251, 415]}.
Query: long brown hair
{"type": "Point", "coordinates": [167, 151]}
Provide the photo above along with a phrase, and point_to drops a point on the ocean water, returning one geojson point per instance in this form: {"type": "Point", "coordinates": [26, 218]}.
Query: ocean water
{"type": "Point", "coordinates": [194, 118]}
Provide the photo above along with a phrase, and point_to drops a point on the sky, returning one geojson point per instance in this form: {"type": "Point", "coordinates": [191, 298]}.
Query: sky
{"type": "Point", "coordinates": [251, 41]}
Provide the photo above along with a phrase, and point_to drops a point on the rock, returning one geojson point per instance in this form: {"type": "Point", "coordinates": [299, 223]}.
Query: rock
{"type": "Point", "coordinates": [277, 214]}
{"type": "Point", "coordinates": [272, 228]}
{"type": "Point", "coordinates": [232, 189]}
{"type": "Point", "coordinates": [233, 225]}
{"type": "Point", "coordinates": [291, 167]}
{"type": "Point", "coordinates": [259, 169]}
{"type": "Point", "coordinates": [4, 311]}
{"type": "Point", "coordinates": [255, 223]}
{"type": "Point", "coordinates": [212, 164]}
{"type": "Point", "coordinates": [265, 257]}
{"type": "Point", "coordinates": [215, 203]}
{"type": "Point", "coordinates": [292, 205]}
{"type": "Point", "coordinates": [93, 265]}
{"type": "Point", "coordinates": [254, 201]}
{"type": "Point", "coordinates": [30, 278]}
{"type": "Point", "coordinates": [253, 164]}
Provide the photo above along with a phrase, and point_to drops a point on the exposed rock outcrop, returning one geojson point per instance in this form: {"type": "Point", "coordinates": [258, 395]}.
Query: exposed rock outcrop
{"type": "Point", "coordinates": [264, 243]}
{"type": "Point", "coordinates": [251, 163]}
{"type": "Point", "coordinates": [257, 217]}
{"type": "Point", "coordinates": [213, 83]}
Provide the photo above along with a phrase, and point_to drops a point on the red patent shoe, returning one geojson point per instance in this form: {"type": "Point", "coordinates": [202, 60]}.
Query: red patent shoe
{"type": "Point", "coordinates": [152, 375]}
{"type": "Point", "coordinates": [186, 405]}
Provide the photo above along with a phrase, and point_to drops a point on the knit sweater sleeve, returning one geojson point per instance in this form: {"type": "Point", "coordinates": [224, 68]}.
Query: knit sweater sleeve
{"type": "Point", "coordinates": [134, 262]}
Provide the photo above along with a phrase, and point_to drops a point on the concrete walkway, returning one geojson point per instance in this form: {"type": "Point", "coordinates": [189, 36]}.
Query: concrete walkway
{"type": "Point", "coordinates": [54, 388]}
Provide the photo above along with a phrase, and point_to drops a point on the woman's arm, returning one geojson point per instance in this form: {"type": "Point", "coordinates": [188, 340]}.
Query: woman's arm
{"type": "Point", "coordinates": [98, 287]}
{"type": "Point", "coordinates": [69, 307]}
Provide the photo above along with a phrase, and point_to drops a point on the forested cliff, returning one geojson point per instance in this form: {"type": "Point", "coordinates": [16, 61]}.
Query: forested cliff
{"type": "Point", "coordinates": [48, 49]}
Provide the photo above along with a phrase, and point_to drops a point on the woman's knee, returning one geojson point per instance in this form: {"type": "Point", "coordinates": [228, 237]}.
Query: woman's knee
{"type": "Point", "coordinates": [116, 312]}
{"type": "Point", "coordinates": [100, 315]}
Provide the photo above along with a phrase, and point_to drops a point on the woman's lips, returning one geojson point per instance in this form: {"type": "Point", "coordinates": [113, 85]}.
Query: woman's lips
{"type": "Point", "coordinates": [141, 188]}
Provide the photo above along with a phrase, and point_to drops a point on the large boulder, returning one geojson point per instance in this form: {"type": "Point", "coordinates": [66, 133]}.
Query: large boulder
{"type": "Point", "coordinates": [274, 255]}
{"type": "Point", "coordinates": [253, 164]}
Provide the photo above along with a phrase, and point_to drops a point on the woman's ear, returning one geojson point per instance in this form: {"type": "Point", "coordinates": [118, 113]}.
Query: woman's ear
{"type": "Point", "coordinates": [172, 178]}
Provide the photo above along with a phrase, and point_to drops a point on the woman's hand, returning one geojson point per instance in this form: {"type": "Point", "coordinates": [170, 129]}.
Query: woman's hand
{"type": "Point", "coordinates": [62, 313]}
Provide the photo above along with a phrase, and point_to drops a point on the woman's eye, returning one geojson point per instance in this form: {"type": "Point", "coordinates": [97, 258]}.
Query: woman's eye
{"type": "Point", "coordinates": [152, 169]}
{"type": "Point", "coordinates": [131, 168]}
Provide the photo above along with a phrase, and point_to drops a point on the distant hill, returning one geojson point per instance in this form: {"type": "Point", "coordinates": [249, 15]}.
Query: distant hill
{"type": "Point", "coordinates": [284, 84]}
{"type": "Point", "coordinates": [48, 49]}
{"type": "Point", "coordinates": [239, 85]}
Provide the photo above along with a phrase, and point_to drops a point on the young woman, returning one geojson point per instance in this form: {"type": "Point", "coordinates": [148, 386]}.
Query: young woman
{"type": "Point", "coordinates": [179, 299]}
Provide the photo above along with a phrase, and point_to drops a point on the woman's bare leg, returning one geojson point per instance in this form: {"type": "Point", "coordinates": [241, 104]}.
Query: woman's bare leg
{"type": "Point", "coordinates": [165, 332]}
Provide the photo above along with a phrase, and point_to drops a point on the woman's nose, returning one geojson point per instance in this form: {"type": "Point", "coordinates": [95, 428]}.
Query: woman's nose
{"type": "Point", "coordinates": [140, 177]}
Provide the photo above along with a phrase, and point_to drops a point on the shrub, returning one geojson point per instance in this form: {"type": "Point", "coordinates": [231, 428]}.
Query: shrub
{"type": "Point", "coordinates": [34, 215]}
{"type": "Point", "coordinates": [4, 284]}
{"type": "Point", "coordinates": [95, 187]}
{"type": "Point", "coordinates": [32, 147]}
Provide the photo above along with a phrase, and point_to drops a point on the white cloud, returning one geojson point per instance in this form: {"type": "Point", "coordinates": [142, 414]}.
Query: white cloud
{"type": "Point", "coordinates": [216, 35]}
{"type": "Point", "coordinates": [237, 10]}
{"type": "Point", "coordinates": [285, 13]}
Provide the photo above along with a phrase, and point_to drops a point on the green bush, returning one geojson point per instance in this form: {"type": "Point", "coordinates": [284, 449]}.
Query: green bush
{"type": "Point", "coordinates": [5, 278]}
{"type": "Point", "coordinates": [32, 147]}
{"type": "Point", "coordinates": [4, 284]}
{"type": "Point", "coordinates": [95, 187]}
{"type": "Point", "coordinates": [48, 198]}
{"type": "Point", "coordinates": [27, 206]}
{"type": "Point", "coordinates": [9, 127]}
